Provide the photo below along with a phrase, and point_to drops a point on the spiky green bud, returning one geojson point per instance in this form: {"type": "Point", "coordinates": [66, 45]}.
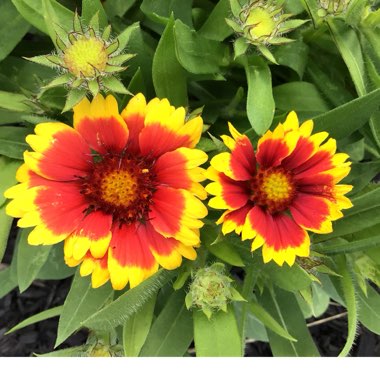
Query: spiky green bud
{"type": "Point", "coordinates": [261, 23]}
{"type": "Point", "coordinates": [87, 61]}
{"type": "Point", "coordinates": [332, 7]}
{"type": "Point", "coordinates": [211, 290]}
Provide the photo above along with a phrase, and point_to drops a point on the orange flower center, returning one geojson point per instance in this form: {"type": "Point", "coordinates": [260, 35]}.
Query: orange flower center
{"type": "Point", "coordinates": [273, 189]}
{"type": "Point", "coordinates": [121, 185]}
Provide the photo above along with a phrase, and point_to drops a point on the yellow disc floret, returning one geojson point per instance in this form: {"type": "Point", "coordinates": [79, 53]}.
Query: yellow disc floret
{"type": "Point", "coordinates": [85, 57]}
{"type": "Point", "coordinates": [276, 186]}
{"type": "Point", "coordinates": [262, 23]}
{"type": "Point", "coordinates": [119, 187]}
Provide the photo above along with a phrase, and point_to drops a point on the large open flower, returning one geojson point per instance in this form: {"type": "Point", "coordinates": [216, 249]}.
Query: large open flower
{"type": "Point", "coordinates": [287, 187]}
{"type": "Point", "coordinates": [122, 191]}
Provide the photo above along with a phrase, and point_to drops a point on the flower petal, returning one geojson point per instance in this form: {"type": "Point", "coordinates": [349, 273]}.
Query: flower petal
{"type": "Point", "coordinates": [234, 220]}
{"type": "Point", "coordinates": [98, 268]}
{"type": "Point", "coordinates": [60, 152]}
{"type": "Point", "coordinates": [166, 130]}
{"type": "Point", "coordinates": [282, 239]}
{"type": "Point", "coordinates": [93, 234]}
{"type": "Point", "coordinates": [168, 252]}
{"type": "Point", "coordinates": [175, 213]}
{"type": "Point", "coordinates": [274, 146]}
{"type": "Point", "coordinates": [100, 124]}
{"type": "Point", "coordinates": [312, 212]}
{"type": "Point", "coordinates": [229, 194]}
{"type": "Point", "coordinates": [179, 169]}
{"type": "Point", "coordinates": [240, 164]}
{"type": "Point", "coordinates": [129, 256]}
{"type": "Point", "coordinates": [57, 211]}
{"type": "Point", "coordinates": [134, 116]}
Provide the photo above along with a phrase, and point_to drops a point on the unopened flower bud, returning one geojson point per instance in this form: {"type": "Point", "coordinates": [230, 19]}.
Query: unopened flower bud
{"type": "Point", "coordinates": [211, 290]}
{"type": "Point", "coordinates": [87, 59]}
{"type": "Point", "coordinates": [261, 23]}
{"type": "Point", "coordinates": [332, 7]}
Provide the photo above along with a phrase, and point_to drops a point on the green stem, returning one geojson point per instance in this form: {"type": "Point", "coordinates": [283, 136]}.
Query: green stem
{"type": "Point", "coordinates": [248, 284]}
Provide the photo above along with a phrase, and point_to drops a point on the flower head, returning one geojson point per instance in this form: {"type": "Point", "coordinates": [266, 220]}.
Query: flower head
{"type": "Point", "coordinates": [276, 194]}
{"type": "Point", "coordinates": [211, 290]}
{"type": "Point", "coordinates": [122, 191]}
{"type": "Point", "coordinates": [88, 60]}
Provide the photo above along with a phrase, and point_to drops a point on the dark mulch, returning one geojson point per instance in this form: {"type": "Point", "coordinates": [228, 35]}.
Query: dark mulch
{"type": "Point", "coordinates": [40, 337]}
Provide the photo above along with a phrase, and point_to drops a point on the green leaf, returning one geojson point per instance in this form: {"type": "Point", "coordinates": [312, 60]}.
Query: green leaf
{"type": "Point", "coordinates": [12, 28]}
{"type": "Point", "coordinates": [240, 47]}
{"type": "Point", "coordinates": [268, 321]}
{"type": "Point", "coordinates": [74, 96]}
{"type": "Point", "coordinates": [299, 96]}
{"type": "Point", "coordinates": [312, 7]}
{"type": "Point", "coordinates": [351, 116]}
{"type": "Point", "coordinates": [136, 329]}
{"type": "Point", "coordinates": [215, 27]}
{"type": "Point", "coordinates": [348, 44]}
{"type": "Point", "coordinates": [172, 331]}
{"type": "Point", "coordinates": [294, 55]}
{"type": "Point", "coordinates": [120, 310]}
{"type": "Point", "coordinates": [218, 336]}
{"type": "Point", "coordinates": [348, 291]}
{"type": "Point", "coordinates": [42, 316]}
{"type": "Point", "coordinates": [283, 306]}
{"type": "Point", "coordinates": [222, 249]}
{"type": "Point", "coordinates": [12, 144]}
{"type": "Point", "coordinates": [55, 267]}
{"type": "Point", "coordinates": [8, 170]}
{"type": "Point", "coordinates": [42, 60]}
{"type": "Point", "coordinates": [260, 103]}
{"type": "Point", "coordinates": [33, 12]}
{"type": "Point", "coordinates": [361, 174]}
{"type": "Point", "coordinates": [227, 253]}
{"type": "Point", "coordinates": [115, 85]}
{"type": "Point", "coordinates": [30, 259]}
{"type": "Point", "coordinates": [92, 7]}
{"type": "Point", "coordinates": [117, 7]}
{"type": "Point", "coordinates": [169, 77]}
{"type": "Point", "coordinates": [347, 247]}
{"type": "Point", "coordinates": [13, 102]}
{"type": "Point", "coordinates": [289, 278]}
{"type": "Point", "coordinates": [353, 223]}
{"type": "Point", "coordinates": [7, 281]}
{"type": "Point", "coordinates": [80, 304]}
{"type": "Point", "coordinates": [58, 81]}
{"type": "Point", "coordinates": [5, 227]}
{"type": "Point", "coordinates": [369, 309]}
{"type": "Point", "coordinates": [197, 54]}
{"type": "Point", "coordinates": [68, 352]}
{"type": "Point", "coordinates": [160, 10]}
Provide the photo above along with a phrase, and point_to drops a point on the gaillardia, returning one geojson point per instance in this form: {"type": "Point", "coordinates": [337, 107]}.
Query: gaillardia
{"type": "Point", "coordinates": [122, 191]}
{"type": "Point", "coordinates": [287, 187]}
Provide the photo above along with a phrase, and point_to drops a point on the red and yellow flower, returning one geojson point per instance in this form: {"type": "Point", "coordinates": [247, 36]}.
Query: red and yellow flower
{"type": "Point", "coordinates": [287, 187]}
{"type": "Point", "coordinates": [121, 190]}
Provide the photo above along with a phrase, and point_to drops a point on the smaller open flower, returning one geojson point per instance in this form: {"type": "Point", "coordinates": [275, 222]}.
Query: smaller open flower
{"type": "Point", "coordinates": [261, 23]}
{"type": "Point", "coordinates": [88, 60]}
{"type": "Point", "coordinates": [288, 187]}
